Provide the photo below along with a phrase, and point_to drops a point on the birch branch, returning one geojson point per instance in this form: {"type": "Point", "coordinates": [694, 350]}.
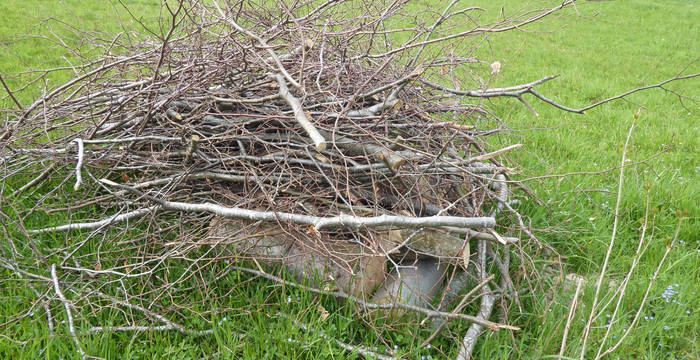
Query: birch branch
{"type": "Point", "coordinates": [97, 224]}
{"type": "Point", "coordinates": [319, 223]}
{"type": "Point", "coordinates": [392, 160]}
{"type": "Point", "coordinates": [137, 328]}
{"type": "Point", "coordinates": [299, 114]}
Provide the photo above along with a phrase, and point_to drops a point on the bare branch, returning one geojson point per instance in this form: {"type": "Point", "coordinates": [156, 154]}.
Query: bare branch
{"type": "Point", "coordinates": [69, 313]}
{"type": "Point", "coordinates": [300, 116]}
{"type": "Point", "coordinates": [319, 223]}
{"type": "Point", "coordinates": [98, 224]}
{"type": "Point", "coordinates": [9, 92]}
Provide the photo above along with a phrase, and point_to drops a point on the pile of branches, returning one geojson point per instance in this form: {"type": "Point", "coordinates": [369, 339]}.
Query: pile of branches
{"type": "Point", "coordinates": [334, 138]}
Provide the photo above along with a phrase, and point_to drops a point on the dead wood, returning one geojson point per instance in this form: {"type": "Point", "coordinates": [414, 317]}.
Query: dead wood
{"type": "Point", "coordinates": [305, 136]}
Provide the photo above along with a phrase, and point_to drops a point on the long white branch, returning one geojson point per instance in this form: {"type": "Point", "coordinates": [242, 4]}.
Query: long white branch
{"type": "Point", "coordinates": [97, 224]}
{"type": "Point", "coordinates": [369, 111]}
{"type": "Point", "coordinates": [136, 328]}
{"type": "Point", "coordinates": [319, 223]}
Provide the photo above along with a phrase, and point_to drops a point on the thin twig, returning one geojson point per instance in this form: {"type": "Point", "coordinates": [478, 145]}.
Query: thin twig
{"type": "Point", "coordinates": [9, 92]}
{"type": "Point", "coordinates": [488, 300]}
{"type": "Point", "coordinates": [570, 318]}
{"type": "Point", "coordinates": [493, 154]}
{"type": "Point", "coordinates": [623, 286]}
{"type": "Point", "coordinates": [581, 110]}
{"type": "Point", "coordinates": [440, 323]}
{"type": "Point", "coordinates": [652, 281]}
{"type": "Point", "coordinates": [367, 353]}
{"type": "Point", "coordinates": [36, 180]}
{"type": "Point", "coordinates": [169, 325]}
{"type": "Point", "coordinates": [587, 329]}
{"type": "Point", "coordinates": [262, 43]}
{"type": "Point", "coordinates": [69, 313]}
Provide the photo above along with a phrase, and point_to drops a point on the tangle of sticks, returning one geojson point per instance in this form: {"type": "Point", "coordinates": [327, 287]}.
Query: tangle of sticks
{"type": "Point", "coordinates": [308, 134]}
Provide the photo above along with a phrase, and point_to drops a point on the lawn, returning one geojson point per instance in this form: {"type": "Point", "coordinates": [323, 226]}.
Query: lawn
{"type": "Point", "coordinates": [571, 161]}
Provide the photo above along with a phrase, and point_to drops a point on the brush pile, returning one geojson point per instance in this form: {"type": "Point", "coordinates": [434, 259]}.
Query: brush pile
{"type": "Point", "coordinates": [311, 135]}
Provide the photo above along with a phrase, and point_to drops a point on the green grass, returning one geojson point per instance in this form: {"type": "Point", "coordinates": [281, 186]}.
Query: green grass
{"type": "Point", "coordinates": [30, 32]}
{"type": "Point", "coordinates": [609, 48]}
